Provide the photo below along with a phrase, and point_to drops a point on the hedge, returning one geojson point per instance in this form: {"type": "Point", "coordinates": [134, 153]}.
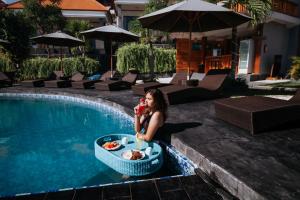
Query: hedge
{"type": "Point", "coordinates": [295, 68]}
{"type": "Point", "coordinates": [5, 64]}
{"type": "Point", "coordinates": [136, 56]}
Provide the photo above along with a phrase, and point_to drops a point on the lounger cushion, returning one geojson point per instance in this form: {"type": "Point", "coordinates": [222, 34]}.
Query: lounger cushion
{"type": "Point", "coordinates": [296, 98]}
{"type": "Point", "coordinates": [84, 84]}
{"type": "Point", "coordinates": [3, 76]}
{"type": "Point", "coordinates": [256, 113]}
{"type": "Point", "coordinates": [141, 89]}
{"type": "Point", "coordinates": [111, 85]}
{"type": "Point", "coordinates": [210, 87]}
{"type": "Point", "coordinates": [5, 80]}
{"type": "Point", "coordinates": [127, 81]}
{"type": "Point", "coordinates": [58, 83]}
{"type": "Point", "coordinates": [77, 77]}
{"type": "Point", "coordinates": [33, 83]}
{"type": "Point", "coordinates": [94, 77]}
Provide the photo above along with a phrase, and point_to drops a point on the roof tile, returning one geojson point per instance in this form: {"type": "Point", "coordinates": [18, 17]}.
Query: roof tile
{"type": "Point", "coordinates": [84, 5]}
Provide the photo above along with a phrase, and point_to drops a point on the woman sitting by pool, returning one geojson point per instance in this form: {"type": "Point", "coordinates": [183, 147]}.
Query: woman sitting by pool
{"type": "Point", "coordinates": [152, 118]}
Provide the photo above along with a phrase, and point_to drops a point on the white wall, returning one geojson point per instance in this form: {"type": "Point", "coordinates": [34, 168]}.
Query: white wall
{"type": "Point", "coordinates": [276, 39]}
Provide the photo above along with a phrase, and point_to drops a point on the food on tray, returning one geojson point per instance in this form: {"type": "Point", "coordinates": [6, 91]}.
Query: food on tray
{"type": "Point", "coordinates": [133, 154]}
{"type": "Point", "coordinates": [111, 145]}
{"type": "Point", "coordinates": [136, 155]}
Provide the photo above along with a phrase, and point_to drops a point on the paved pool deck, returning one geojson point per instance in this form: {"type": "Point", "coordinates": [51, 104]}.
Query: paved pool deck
{"type": "Point", "coordinates": [265, 166]}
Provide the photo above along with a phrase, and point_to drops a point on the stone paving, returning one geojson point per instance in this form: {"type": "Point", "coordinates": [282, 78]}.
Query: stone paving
{"type": "Point", "coordinates": [178, 188]}
{"type": "Point", "coordinates": [265, 166]}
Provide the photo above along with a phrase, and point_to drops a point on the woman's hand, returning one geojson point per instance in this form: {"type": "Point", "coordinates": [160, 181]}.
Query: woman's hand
{"type": "Point", "coordinates": [140, 136]}
{"type": "Point", "coordinates": [136, 111]}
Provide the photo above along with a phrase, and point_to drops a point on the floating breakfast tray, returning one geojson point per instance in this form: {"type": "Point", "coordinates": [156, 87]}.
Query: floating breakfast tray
{"type": "Point", "coordinates": [114, 159]}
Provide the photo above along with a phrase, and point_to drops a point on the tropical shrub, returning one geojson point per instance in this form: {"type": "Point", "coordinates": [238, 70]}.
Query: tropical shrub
{"type": "Point", "coordinates": [5, 63]}
{"type": "Point", "coordinates": [17, 29]}
{"type": "Point", "coordinates": [295, 68]}
{"type": "Point", "coordinates": [43, 67]}
{"type": "Point", "coordinates": [136, 56]}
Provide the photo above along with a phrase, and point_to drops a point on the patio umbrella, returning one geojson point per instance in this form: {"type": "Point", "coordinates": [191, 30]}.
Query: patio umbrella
{"type": "Point", "coordinates": [58, 39]}
{"type": "Point", "coordinates": [111, 33]}
{"type": "Point", "coordinates": [192, 16]}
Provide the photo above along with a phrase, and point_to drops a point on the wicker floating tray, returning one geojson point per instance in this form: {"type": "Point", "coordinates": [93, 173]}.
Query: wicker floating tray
{"type": "Point", "coordinates": [114, 159]}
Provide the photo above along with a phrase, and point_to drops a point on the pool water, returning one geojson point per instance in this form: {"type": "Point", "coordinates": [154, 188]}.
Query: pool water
{"type": "Point", "coordinates": [49, 144]}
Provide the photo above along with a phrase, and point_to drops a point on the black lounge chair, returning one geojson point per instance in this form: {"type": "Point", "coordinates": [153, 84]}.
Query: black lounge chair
{"type": "Point", "coordinates": [258, 114]}
{"type": "Point", "coordinates": [210, 87]}
{"type": "Point", "coordinates": [84, 84]}
{"type": "Point", "coordinates": [33, 83]}
{"type": "Point", "coordinates": [127, 81]}
{"type": "Point", "coordinates": [141, 89]}
{"type": "Point", "coordinates": [5, 80]}
{"type": "Point", "coordinates": [60, 81]}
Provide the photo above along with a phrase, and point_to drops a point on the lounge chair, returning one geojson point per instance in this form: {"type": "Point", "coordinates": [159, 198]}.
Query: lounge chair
{"type": "Point", "coordinates": [33, 83]}
{"type": "Point", "coordinates": [84, 84]}
{"type": "Point", "coordinates": [210, 87]}
{"type": "Point", "coordinates": [141, 89]}
{"type": "Point", "coordinates": [59, 82]}
{"type": "Point", "coordinates": [258, 114]}
{"type": "Point", "coordinates": [127, 81]}
{"type": "Point", "coordinates": [5, 80]}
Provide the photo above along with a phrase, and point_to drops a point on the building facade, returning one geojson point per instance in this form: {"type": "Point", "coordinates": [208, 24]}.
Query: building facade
{"type": "Point", "coordinates": [263, 51]}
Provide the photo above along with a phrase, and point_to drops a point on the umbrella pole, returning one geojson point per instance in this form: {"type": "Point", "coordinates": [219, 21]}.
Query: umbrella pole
{"type": "Point", "coordinates": [61, 66]}
{"type": "Point", "coordinates": [111, 60]}
{"type": "Point", "coordinates": [190, 49]}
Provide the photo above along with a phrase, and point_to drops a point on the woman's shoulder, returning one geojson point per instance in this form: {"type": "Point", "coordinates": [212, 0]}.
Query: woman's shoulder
{"type": "Point", "coordinates": [157, 114]}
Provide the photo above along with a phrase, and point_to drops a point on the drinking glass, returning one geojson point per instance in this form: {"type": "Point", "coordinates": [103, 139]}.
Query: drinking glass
{"type": "Point", "coordinates": [139, 143]}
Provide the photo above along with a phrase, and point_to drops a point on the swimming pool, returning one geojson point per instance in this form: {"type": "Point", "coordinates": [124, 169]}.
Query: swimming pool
{"type": "Point", "coordinates": [46, 143]}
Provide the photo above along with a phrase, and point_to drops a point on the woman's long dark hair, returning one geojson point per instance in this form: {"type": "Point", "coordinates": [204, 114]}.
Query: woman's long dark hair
{"type": "Point", "coordinates": [159, 101]}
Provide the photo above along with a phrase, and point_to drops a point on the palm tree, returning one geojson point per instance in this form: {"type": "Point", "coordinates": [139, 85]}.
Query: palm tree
{"type": "Point", "coordinates": [257, 9]}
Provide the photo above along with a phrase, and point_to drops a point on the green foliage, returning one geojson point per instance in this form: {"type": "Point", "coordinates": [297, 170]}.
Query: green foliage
{"type": "Point", "coordinates": [45, 18]}
{"type": "Point", "coordinates": [165, 60]}
{"type": "Point", "coordinates": [5, 63]}
{"type": "Point", "coordinates": [258, 9]}
{"type": "Point", "coordinates": [17, 29]}
{"type": "Point", "coordinates": [148, 35]}
{"type": "Point", "coordinates": [136, 27]}
{"type": "Point", "coordinates": [154, 5]}
{"type": "Point", "coordinates": [295, 68]}
{"type": "Point", "coordinates": [74, 27]}
{"type": "Point", "coordinates": [136, 56]}
{"type": "Point", "coordinates": [42, 67]}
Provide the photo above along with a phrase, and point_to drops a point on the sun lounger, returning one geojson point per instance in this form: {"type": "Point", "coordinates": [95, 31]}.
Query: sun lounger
{"type": "Point", "coordinates": [59, 82]}
{"type": "Point", "coordinates": [84, 84]}
{"type": "Point", "coordinates": [210, 87]}
{"type": "Point", "coordinates": [141, 89]}
{"type": "Point", "coordinates": [33, 83]}
{"type": "Point", "coordinates": [5, 80]}
{"type": "Point", "coordinates": [127, 81]}
{"type": "Point", "coordinates": [258, 114]}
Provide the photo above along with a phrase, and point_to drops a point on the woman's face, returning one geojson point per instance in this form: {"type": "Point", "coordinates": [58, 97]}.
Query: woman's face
{"type": "Point", "coordinates": [149, 100]}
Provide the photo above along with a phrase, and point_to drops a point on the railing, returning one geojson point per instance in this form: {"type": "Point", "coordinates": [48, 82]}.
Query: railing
{"type": "Point", "coordinates": [217, 62]}
{"type": "Point", "coordinates": [285, 7]}
{"type": "Point", "coordinates": [282, 6]}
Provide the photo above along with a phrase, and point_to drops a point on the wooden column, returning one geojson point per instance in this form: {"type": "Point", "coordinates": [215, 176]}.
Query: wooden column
{"type": "Point", "coordinates": [257, 52]}
{"type": "Point", "coordinates": [203, 52]}
{"type": "Point", "coordinates": [234, 52]}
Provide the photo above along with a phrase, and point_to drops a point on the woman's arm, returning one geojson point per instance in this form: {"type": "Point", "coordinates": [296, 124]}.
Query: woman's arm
{"type": "Point", "coordinates": [137, 123]}
{"type": "Point", "coordinates": [155, 122]}
{"type": "Point", "coordinates": [138, 119]}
